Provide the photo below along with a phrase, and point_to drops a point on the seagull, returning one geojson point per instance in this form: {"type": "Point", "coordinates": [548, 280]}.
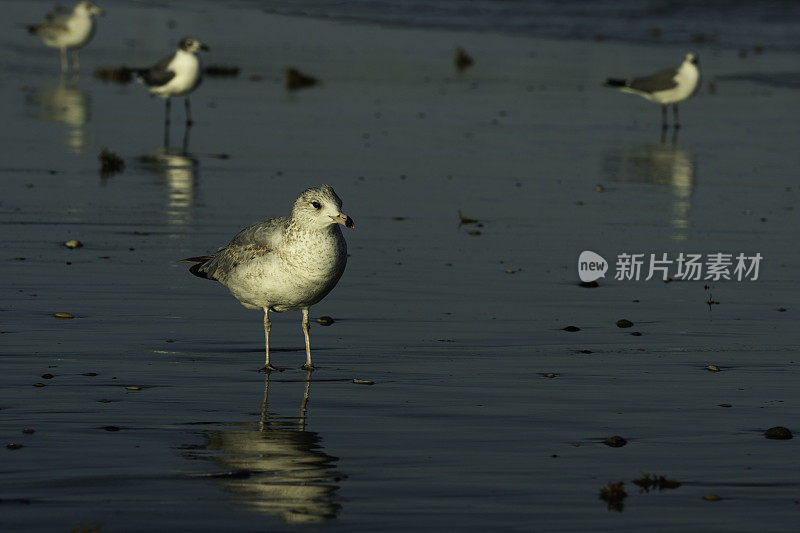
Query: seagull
{"type": "Point", "coordinates": [665, 87]}
{"type": "Point", "coordinates": [68, 32]}
{"type": "Point", "coordinates": [175, 75]}
{"type": "Point", "coordinates": [285, 263]}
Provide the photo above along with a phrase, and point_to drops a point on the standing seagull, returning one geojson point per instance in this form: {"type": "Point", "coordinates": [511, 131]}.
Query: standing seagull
{"type": "Point", "coordinates": [665, 87]}
{"type": "Point", "coordinates": [284, 263]}
{"type": "Point", "coordinates": [176, 75]}
{"type": "Point", "coordinates": [69, 32]}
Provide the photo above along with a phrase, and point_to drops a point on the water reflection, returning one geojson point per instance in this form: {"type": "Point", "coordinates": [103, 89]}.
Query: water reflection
{"type": "Point", "coordinates": [663, 163]}
{"type": "Point", "coordinates": [67, 103]}
{"type": "Point", "coordinates": [179, 173]}
{"type": "Point", "coordinates": [276, 466]}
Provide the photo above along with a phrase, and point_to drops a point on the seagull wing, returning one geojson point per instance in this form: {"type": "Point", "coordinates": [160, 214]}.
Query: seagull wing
{"type": "Point", "coordinates": [254, 241]}
{"type": "Point", "coordinates": [158, 74]}
{"type": "Point", "coordinates": [660, 81]}
{"type": "Point", "coordinates": [50, 28]}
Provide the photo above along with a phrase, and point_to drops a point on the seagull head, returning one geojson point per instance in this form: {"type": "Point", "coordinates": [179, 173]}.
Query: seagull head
{"type": "Point", "coordinates": [192, 45]}
{"type": "Point", "coordinates": [89, 8]}
{"type": "Point", "coordinates": [320, 207]}
{"type": "Point", "coordinates": [692, 58]}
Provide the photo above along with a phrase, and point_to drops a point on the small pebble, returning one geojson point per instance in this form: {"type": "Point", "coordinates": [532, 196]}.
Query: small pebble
{"type": "Point", "coordinates": [550, 375]}
{"type": "Point", "coordinates": [38, 384]}
{"type": "Point", "coordinates": [637, 333]}
{"type": "Point", "coordinates": [325, 320]}
{"type": "Point", "coordinates": [64, 315]}
{"type": "Point", "coordinates": [474, 232]}
{"type": "Point", "coordinates": [133, 387]}
{"type": "Point", "coordinates": [711, 498]}
{"type": "Point", "coordinates": [615, 442]}
{"type": "Point", "coordinates": [73, 244]}
{"type": "Point", "coordinates": [778, 433]}
{"type": "Point", "coordinates": [586, 351]}
{"type": "Point", "coordinates": [623, 323]}
{"type": "Point", "coordinates": [725, 405]}
{"type": "Point", "coordinates": [572, 328]}
{"type": "Point", "coordinates": [90, 374]}
{"type": "Point", "coordinates": [13, 446]}
{"type": "Point", "coordinates": [47, 376]}
{"type": "Point", "coordinates": [111, 428]}
{"type": "Point", "coordinates": [599, 188]}
{"type": "Point", "coordinates": [363, 381]}
{"type": "Point", "coordinates": [781, 309]}
{"type": "Point", "coordinates": [29, 431]}
{"type": "Point", "coordinates": [712, 368]}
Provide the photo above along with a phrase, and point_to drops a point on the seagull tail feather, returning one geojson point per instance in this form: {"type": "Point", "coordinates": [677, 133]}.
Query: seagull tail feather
{"type": "Point", "coordinates": [198, 263]}
{"type": "Point", "coordinates": [197, 260]}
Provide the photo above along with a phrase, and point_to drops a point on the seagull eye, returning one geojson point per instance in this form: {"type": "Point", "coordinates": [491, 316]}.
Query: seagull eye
{"type": "Point", "coordinates": [316, 205]}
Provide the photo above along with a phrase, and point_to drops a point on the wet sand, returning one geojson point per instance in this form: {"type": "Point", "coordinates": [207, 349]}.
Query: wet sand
{"type": "Point", "coordinates": [462, 428]}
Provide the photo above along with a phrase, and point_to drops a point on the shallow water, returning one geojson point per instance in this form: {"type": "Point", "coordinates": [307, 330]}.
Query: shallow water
{"type": "Point", "coordinates": [462, 428]}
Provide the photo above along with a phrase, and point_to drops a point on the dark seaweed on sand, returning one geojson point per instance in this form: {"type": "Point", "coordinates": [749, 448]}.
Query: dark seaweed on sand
{"type": "Point", "coordinates": [614, 494]}
{"type": "Point", "coordinates": [110, 163]}
{"type": "Point", "coordinates": [297, 80]}
{"type": "Point", "coordinates": [652, 481]}
{"type": "Point", "coordinates": [221, 71]}
{"type": "Point", "coordinates": [463, 60]}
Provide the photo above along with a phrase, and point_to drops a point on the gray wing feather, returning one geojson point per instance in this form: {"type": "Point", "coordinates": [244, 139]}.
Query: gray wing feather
{"type": "Point", "coordinates": [252, 242]}
{"type": "Point", "coordinates": [157, 74]}
{"type": "Point", "coordinates": [50, 29]}
{"type": "Point", "coordinates": [660, 81]}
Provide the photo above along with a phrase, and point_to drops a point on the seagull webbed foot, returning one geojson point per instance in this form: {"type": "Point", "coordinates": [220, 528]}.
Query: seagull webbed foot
{"type": "Point", "coordinates": [269, 368]}
{"type": "Point", "coordinates": [308, 367]}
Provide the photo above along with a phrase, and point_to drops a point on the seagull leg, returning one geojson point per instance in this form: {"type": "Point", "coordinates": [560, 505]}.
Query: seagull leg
{"type": "Point", "coordinates": [262, 425]}
{"type": "Point", "coordinates": [76, 63]}
{"type": "Point", "coordinates": [306, 329]}
{"type": "Point", "coordinates": [64, 61]}
{"type": "Point", "coordinates": [188, 126]}
{"type": "Point", "coordinates": [166, 123]}
{"type": "Point", "coordinates": [675, 116]}
{"type": "Point", "coordinates": [186, 140]}
{"type": "Point", "coordinates": [267, 366]}
{"type": "Point", "coordinates": [304, 403]}
{"type": "Point", "coordinates": [189, 122]}
{"type": "Point", "coordinates": [663, 117]}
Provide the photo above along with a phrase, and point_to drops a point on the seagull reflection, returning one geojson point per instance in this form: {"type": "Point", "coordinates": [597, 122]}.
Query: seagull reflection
{"type": "Point", "coordinates": [68, 104]}
{"type": "Point", "coordinates": [276, 466]}
{"type": "Point", "coordinates": [179, 171]}
{"type": "Point", "coordinates": [664, 163]}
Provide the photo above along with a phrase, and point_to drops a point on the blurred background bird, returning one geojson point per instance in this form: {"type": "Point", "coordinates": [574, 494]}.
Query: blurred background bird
{"type": "Point", "coordinates": [69, 32]}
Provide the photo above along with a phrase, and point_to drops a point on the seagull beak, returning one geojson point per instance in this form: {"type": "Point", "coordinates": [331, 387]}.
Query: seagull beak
{"type": "Point", "coordinates": [205, 48]}
{"type": "Point", "coordinates": [344, 220]}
